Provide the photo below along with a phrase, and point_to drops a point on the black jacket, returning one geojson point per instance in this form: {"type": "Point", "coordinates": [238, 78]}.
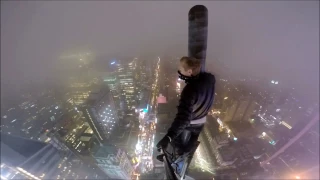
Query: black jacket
{"type": "Point", "coordinates": [195, 102]}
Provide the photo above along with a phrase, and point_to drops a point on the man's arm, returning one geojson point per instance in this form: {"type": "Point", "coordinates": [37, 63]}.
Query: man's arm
{"type": "Point", "coordinates": [184, 115]}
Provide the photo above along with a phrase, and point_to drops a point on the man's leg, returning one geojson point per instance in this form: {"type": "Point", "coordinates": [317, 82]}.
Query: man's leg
{"type": "Point", "coordinates": [194, 135]}
{"type": "Point", "coordinates": [187, 139]}
{"type": "Point", "coordinates": [193, 144]}
{"type": "Point", "coordinates": [181, 142]}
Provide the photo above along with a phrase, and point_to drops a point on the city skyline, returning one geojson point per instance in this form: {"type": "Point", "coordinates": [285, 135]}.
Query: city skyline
{"type": "Point", "coordinates": [87, 92]}
{"type": "Point", "coordinates": [272, 49]}
{"type": "Point", "coordinates": [233, 104]}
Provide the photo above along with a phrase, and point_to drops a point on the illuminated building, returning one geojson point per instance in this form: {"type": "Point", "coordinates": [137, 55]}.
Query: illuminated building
{"type": "Point", "coordinates": [114, 162]}
{"type": "Point", "coordinates": [82, 57]}
{"type": "Point", "coordinates": [79, 92]}
{"type": "Point", "coordinates": [230, 112]}
{"type": "Point", "coordinates": [100, 113]}
{"type": "Point", "coordinates": [112, 81]}
{"type": "Point", "coordinates": [142, 84]}
{"type": "Point", "coordinates": [229, 155]}
{"type": "Point", "coordinates": [226, 156]}
{"type": "Point", "coordinates": [241, 110]}
{"type": "Point", "coordinates": [8, 172]}
{"type": "Point", "coordinates": [22, 157]}
{"type": "Point", "coordinates": [79, 140]}
{"type": "Point", "coordinates": [127, 85]}
{"type": "Point", "coordinates": [33, 158]}
{"type": "Point", "coordinates": [220, 140]}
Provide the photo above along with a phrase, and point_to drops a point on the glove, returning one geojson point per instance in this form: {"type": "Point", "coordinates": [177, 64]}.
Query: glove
{"type": "Point", "coordinates": [163, 143]}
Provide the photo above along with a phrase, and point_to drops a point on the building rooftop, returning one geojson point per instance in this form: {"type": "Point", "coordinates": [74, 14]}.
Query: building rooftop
{"type": "Point", "coordinates": [25, 147]}
{"type": "Point", "coordinates": [222, 138]}
{"type": "Point", "coordinates": [104, 151]}
{"type": "Point", "coordinates": [244, 153]}
{"type": "Point", "coordinates": [227, 153]}
{"type": "Point", "coordinates": [15, 150]}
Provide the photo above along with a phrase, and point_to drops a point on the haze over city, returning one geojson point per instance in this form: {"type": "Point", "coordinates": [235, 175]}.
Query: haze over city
{"type": "Point", "coordinates": [49, 48]}
{"type": "Point", "coordinates": [278, 40]}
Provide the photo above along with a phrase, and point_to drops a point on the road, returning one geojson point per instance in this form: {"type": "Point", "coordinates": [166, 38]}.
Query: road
{"type": "Point", "coordinates": [144, 148]}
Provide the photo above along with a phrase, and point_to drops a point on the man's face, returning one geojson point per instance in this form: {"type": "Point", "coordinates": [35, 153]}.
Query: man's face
{"type": "Point", "coordinates": [184, 69]}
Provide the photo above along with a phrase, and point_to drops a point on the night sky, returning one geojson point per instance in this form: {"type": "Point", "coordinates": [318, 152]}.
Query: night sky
{"type": "Point", "coordinates": [276, 40]}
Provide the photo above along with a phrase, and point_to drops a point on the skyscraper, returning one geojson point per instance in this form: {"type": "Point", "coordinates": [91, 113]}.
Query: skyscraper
{"type": "Point", "coordinates": [38, 160]}
{"type": "Point", "coordinates": [114, 162]}
{"type": "Point", "coordinates": [100, 113]}
{"type": "Point", "coordinates": [230, 112]}
{"type": "Point", "coordinates": [241, 110]}
{"type": "Point", "coordinates": [79, 91]}
{"type": "Point", "coordinates": [127, 85]}
{"type": "Point", "coordinates": [112, 81]}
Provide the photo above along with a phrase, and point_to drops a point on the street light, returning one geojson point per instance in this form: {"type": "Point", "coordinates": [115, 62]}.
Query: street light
{"type": "Point", "coordinates": [297, 177]}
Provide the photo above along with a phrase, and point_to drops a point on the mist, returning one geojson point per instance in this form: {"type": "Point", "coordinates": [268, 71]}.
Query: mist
{"type": "Point", "coordinates": [269, 39]}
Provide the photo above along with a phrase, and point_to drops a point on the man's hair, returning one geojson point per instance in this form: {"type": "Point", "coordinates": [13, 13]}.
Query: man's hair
{"type": "Point", "coordinates": [192, 63]}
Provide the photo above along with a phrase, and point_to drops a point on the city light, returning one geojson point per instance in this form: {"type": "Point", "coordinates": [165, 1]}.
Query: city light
{"type": "Point", "coordinates": [264, 134]}
{"type": "Point", "coordinates": [218, 151]}
{"type": "Point", "coordinates": [138, 146]}
{"type": "Point", "coordinates": [272, 142]}
{"type": "Point", "coordinates": [286, 124]}
{"type": "Point", "coordinates": [27, 173]}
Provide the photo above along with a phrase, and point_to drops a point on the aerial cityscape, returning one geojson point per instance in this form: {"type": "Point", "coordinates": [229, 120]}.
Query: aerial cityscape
{"type": "Point", "coordinates": [98, 114]}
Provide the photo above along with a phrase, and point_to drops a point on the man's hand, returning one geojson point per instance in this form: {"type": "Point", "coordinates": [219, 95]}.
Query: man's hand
{"type": "Point", "coordinates": [163, 143]}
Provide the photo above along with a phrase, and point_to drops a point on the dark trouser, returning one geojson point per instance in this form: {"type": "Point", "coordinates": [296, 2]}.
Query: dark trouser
{"type": "Point", "coordinates": [187, 139]}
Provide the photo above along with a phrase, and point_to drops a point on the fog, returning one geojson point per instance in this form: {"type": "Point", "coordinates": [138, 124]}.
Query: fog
{"type": "Point", "coordinates": [270, 39]}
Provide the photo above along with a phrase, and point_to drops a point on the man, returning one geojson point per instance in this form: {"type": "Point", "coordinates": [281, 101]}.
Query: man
{"type": "Point", "coordinates": [195, 102]}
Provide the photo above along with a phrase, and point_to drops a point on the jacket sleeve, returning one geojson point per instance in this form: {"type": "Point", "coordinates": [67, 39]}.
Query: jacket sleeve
{"type": "Point", "coordinates": [184, 115]}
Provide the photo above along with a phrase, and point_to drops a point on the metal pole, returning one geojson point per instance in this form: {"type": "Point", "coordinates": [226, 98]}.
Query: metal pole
{"type": "Point", "coordinates": [198, 32]}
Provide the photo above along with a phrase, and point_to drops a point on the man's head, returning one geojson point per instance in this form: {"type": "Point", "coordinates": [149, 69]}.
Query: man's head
{"type": "Point", "coordinates": [189, 66]}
